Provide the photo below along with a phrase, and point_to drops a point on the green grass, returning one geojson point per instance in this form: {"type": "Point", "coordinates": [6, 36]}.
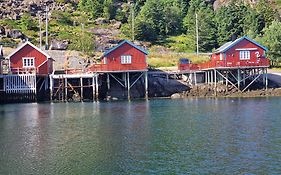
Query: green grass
{"type": "Point", "coordinates": [181, 43]}
{"type": "Point", "coordinates": [170, 59]}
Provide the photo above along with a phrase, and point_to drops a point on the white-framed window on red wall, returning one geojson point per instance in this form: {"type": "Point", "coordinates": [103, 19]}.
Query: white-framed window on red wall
{"type": "Point", "coordinates": [244, 55]}
{"type": "Point", "coordinates": [126, 59]}
{"type": "Point", "coordinates": [28, 62]}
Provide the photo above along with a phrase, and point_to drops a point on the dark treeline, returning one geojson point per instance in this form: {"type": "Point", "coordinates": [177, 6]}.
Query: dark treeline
{"type": "Point", "coordinates": [155, 20]}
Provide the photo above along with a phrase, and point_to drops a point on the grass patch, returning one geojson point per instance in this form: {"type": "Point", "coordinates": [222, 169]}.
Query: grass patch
{"type": "Point", "coordinates": [181, 43]}
{"type": "Point", "coordinates": [170, 59]}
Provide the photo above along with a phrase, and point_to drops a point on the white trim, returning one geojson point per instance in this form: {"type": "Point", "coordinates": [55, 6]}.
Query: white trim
{"type": "Point", "coordinates": [126, 59]}
{"type": "Point", "coordinates": [28, 58]}
{"type": "Point", "coordinates": [247, 49]}
{"type": "Point", "coordinates": [244, 55]}
{"type": "Point", "coordinates": [28, 43]}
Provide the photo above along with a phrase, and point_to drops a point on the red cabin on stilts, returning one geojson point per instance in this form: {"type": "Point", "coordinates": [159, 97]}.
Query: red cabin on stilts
{"type": "Point", "coordinates": [30, 59]}
{"type": "Point", "coordinates": [126, 56]}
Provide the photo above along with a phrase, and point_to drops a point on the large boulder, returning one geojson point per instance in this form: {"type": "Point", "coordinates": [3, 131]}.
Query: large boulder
{"type": "Point", "coordinates": [100, 21]}
{"type": "Point", "coordinates": [15, 34]}
{"type": "Point", "coordinates": [2, 31]}
{"type": "Point", "coordinates": [58, 45]}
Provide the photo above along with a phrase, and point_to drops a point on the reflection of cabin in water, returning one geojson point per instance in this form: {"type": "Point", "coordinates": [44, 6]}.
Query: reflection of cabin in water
{"type": "Point", "coordinates": [29, 68]}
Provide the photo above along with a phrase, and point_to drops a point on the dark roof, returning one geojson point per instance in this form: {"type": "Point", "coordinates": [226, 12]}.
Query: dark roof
{"type": "Point", "coordinates": [230, 44]}
{"type": "Point", "coordinates": [123, 42]}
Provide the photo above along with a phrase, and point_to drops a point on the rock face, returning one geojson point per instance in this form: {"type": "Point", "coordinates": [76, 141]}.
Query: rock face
{"type": "Point", "coordinates": [58, 45]}
{"type": "Point", "coordinates": [14, 9]}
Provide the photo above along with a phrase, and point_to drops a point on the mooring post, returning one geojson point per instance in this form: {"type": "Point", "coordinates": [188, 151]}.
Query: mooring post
{"type": "Point", "coordinates": [128, 85]}
{"type": "Point", "coordinates": [146, 85]}
{"type": "Point", "coordinates": [81, 88]}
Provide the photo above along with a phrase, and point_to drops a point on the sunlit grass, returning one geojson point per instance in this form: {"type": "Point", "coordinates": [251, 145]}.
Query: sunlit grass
{"type": "Point", "coordinates": [170, 59]}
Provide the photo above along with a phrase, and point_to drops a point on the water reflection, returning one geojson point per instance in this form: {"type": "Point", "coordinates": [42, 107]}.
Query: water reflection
{"type": "Point", "coordinates": [197, 136]}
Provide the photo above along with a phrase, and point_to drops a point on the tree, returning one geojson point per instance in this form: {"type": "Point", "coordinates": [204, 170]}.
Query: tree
{"type": "Point", "coordinates": [272, 39]}
{"type": "Point", "coordinates": [264, 8]}
{"type": "Point", "coordinates": [230, 21]}
{"type": "Point", "coordinates": [109, 11]}
{"type": "Point", "coordinates": [92, 7]}
{"type": "Point", "coordinates": [27, 23]}
{"type": "Point", "coordinates": [206, 25]}
{"type": "Point", "coordinates": [253, 23]}
{"type": "Point", "coordinates": [161, 17]}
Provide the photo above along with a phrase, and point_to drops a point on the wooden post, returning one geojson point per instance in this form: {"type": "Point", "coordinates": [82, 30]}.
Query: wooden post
{"type": "Point", "coordinates": [51, 87]}
{"type": "Point", "coordinates": [226, 82]}
{"type": "Point", "coordinates": [215, 74]}
{"type": "Point", "coordinates": [93, 84]}
{"type": "Point", "coordinates": [238, 78]}
{"type": "Point", "coordinates": [212, 78]}
{"type": "Point", "coordinates": [146, 85]}
{"type": "Point", "coordinates": [244, 76]}
{"type": "Point", "coordinates": [97, 87]}
{"type": "Point", "coordinates": [108, 81]}
{"type": "Point", "coordinates": [128, 84]}
{"type": "Point", "coordinates": [195, 79]}
{"type": "Point", "coordinates": [81, 87]}
{"type": "Point", "coordinates": [66, 99]}
{"type": "Point", "coordinates": [266, 79]}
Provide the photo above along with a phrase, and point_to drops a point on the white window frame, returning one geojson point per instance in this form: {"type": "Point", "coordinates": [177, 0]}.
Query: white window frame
{"type": "Point", "coordinates": [30, 61]}
{"type": "Point", "coordinates": [126, 59]}
{"type": "Point", "coordinates": [244, 55]}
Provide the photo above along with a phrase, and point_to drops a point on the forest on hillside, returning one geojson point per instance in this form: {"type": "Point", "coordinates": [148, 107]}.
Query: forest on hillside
{"type": "Point", "coordinates": [165, 21]}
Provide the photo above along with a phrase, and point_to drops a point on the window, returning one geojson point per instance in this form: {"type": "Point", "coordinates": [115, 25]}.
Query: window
{"type": "Point", "coordinates": [244, 55]}
{"type": "Point", "coordinates": [126, 59]}
{"type": "Point", "coordinates": [28, 62]}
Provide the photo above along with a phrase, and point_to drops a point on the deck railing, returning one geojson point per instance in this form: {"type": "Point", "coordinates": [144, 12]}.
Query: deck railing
{"type": "Point", "coordinates": [264, 62]}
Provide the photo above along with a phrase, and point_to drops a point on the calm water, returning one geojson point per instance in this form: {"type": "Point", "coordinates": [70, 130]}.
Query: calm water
{"type": "Point", "coordinates": [199, 136]}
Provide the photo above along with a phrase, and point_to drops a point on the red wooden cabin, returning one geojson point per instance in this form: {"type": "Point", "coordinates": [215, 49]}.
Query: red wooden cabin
{"type": "Point", "coordinates": [242, 52]}
{"type": "Point", "coordinates": [126, 56]}
{"type": "Point", "coordinates": [30, 59]}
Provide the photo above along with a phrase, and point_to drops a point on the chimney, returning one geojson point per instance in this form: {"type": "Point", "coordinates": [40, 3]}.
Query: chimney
{"type": "Point", "coordinates": [233, 37]}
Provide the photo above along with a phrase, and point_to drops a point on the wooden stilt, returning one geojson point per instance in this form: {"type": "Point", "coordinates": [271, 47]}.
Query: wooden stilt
{"type": "Point", "coordinates": [97, 87]}
{"type": "Point", "coordinates": [51, 87]}
{"type": "Point", "coordinates": [195, 79]}
{"type": "Point", "coordinates": [146, 85]}
{"type": "Point", "coordinates": [266, 79]}
{"type": "Point", "coordinates": [238, 78]}
{"type": "Point", "coordinates": [81, 87]}
{"type": "Point", "coordinates": [93, 86]}
{"type": "Point", "coordinates": [215, 78]}
{"type": "Point", "coordinates": [66, 98]}
{"type": "Point", "coordinates": [128, 85]}
{"type": "Point", "coordinates": [108, 81]}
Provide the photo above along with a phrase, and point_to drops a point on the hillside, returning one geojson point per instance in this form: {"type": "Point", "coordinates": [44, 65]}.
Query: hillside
{"type": "Point", "coordinates": [164, 26]}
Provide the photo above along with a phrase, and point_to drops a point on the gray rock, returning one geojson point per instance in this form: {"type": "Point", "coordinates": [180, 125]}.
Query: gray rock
{"type": "Point", "coordinates": [117, 25]}
{"type": "Point", "coordinates": [175, 96]}
{"type": "Point", "coordinates": [100, 21]}
{"type": "Point", "coordinates": [15, 34]}
{"type": "Point", "coordinates": [58, 45]}
{"type": "Point", "coordinates": [2, 30]}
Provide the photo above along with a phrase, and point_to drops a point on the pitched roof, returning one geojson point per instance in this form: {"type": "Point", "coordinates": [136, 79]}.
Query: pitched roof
{"type": "Point", "coordinates": [28, 43]}
{"type": "Point", "coordinates": [230, 44]}
{"type": "Point", "coordinates": [123, 42]}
